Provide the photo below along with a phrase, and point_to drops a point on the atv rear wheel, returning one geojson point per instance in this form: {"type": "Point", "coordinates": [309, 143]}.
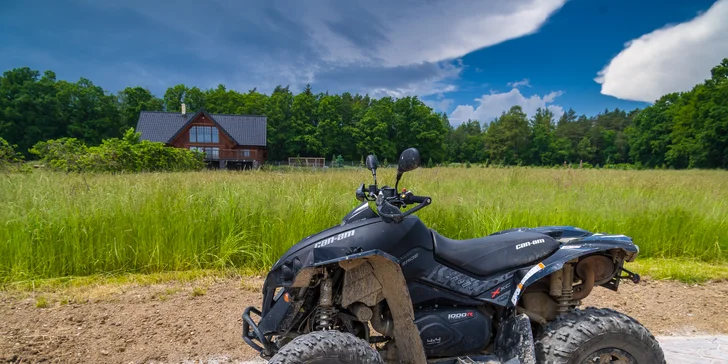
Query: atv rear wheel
{"type": "Point", "coordinates": [596, 335]}
{"type": "Point", "coordinates": [327, 347]}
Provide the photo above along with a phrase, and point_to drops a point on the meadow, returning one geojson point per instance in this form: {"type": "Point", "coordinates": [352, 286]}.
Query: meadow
{"type": "Point", "coordinates": [61, 225]}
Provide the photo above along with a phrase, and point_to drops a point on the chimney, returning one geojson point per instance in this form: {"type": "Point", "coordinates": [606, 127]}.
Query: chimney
{"type": "Point", "coordinates": [184, 109]}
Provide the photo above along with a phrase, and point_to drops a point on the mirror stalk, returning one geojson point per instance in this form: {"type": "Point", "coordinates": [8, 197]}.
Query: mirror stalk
{"type": "Point", "coordinates": [396, 184]}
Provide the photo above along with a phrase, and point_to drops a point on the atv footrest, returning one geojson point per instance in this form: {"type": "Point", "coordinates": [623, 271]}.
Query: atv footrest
{"type": "Point", "coordinates": [252, 333]}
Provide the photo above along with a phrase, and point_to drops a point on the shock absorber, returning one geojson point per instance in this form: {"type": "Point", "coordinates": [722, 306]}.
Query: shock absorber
{"type": "Point", "coordinates": [325, 312]}
{"type": "Point", "coordinates": [567, 288]}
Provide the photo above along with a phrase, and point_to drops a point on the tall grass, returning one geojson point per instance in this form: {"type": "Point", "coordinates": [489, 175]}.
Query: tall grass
{"type": "Point", "coordinates": [56, 225]}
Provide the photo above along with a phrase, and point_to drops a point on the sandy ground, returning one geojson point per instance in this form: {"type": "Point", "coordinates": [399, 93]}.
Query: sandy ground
{"type": "Point", "coordinates": [169, 323]}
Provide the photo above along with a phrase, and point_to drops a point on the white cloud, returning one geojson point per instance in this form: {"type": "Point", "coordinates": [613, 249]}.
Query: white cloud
{"type": "Point", "coordinates": [433, 31]}
{"type": "Point", "coordinates": [492, 105]}
{"type": "Point", "coordinates": [253, 43]}
{"type": "Point", "coordinates": [516, 84]}
{"type": "Point", "coordinates": [672, 59]}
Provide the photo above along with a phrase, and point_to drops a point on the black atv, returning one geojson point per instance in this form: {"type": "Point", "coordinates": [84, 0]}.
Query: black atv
{"type": "Point", "coordinates": [510, 297]}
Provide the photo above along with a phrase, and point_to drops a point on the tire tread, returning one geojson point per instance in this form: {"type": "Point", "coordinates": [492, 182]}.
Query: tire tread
{"type": "Point", "coordinates": [565, 335]}
{"type": "Point", "coordinates": [326, 344]}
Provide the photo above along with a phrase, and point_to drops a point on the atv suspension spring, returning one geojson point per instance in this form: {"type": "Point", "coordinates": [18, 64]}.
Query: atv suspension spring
{"type": "Point", "coordinates": [567, 288]}
{"type": "Point", "coordinates": [325, 312]}
{"type": "Point", "coordinates": [324, 318]}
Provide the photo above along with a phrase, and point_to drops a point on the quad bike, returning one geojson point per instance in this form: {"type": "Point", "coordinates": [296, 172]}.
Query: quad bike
{"type": "Point", "coordinates": [510, 297]}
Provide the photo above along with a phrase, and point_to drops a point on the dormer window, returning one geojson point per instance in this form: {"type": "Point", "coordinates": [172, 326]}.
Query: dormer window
{"type": "Point", "coordinates": [204, 134]}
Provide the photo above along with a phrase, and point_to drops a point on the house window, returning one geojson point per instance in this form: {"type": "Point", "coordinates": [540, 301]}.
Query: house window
{"type": "Point", "coordinates": [246, 152]}
{"type": "Point", "coordinates": [204, 134]}
{"type": "Point", "coordinates": [210, 152]}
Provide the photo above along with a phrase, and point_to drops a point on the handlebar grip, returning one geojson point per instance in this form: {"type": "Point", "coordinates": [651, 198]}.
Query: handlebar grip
{"type": "Point", "coordinates": [416, 199]}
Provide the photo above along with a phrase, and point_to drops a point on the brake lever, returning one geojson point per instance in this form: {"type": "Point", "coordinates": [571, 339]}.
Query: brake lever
{"type": "Point", "coordinates": [411, 211]}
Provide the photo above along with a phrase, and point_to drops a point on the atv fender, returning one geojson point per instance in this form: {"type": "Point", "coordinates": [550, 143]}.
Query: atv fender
{"type": "Point", "coordinates": [388, 273]}
{"type": "Point", "coordinates": [514, 342]}
{"type": "Point", "coordinates": [384, 272]}
{"type": "Point", "coordinates": [574, 249]}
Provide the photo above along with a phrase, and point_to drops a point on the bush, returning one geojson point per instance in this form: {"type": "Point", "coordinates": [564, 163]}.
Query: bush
{"type": "Point", "coordinates": [337, 161]}
{"type": "Point", "coordinates": [622, 166]}
{"type": "Point", "coordinates": [585, 165]}
{"type": "Point", "coordinates": [127, 154]}
{"type": "Point", "coordinates": [63, 154]}
{"type": "Point", "coordinates": [9, 158]}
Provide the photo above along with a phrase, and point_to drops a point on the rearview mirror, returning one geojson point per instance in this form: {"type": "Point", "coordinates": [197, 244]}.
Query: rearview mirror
{"type": "Point", "coordinates": [409, 160]}
{"type": "Point", "coordinates": [372, 162]}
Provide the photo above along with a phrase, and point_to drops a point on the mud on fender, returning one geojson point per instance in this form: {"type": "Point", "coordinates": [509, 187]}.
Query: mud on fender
{"type": "Point", "coordinates": [514, 341]}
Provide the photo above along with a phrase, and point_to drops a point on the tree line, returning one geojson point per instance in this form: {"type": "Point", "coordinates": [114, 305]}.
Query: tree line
{"type": "Point", "coordinates": [681, 130]}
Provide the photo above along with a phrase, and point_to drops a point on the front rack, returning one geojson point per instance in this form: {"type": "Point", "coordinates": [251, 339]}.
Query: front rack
{"type": "Point", "coordinates": [251, 334]}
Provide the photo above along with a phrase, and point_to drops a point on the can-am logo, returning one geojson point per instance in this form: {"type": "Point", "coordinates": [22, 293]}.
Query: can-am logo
{"type": "Point", "coordinates": [455, 316]}
{"type": "Point", "coordinates": [329, 240]}
{"type": "Point", "coordinates": [527, 244]}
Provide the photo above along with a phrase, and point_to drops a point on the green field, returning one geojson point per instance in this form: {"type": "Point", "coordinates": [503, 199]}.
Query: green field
{"type": "Point", "coordinates": [59, 225]}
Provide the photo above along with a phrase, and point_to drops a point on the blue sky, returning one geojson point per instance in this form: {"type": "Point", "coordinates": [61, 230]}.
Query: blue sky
{"type": "Point", "coordinates": [469, 58]}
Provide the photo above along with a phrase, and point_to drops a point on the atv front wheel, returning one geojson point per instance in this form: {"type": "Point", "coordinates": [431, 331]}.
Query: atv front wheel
{"type": "Point", "coordinates": [327, 347]}
{"type": "Point", "coordinates": [596, 335]}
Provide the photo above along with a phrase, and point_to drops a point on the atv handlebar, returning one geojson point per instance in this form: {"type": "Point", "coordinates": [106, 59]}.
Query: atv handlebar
{"type": "Point", "coordinates": [389, 203]}
{"type": "Point", "coordinates": [410, 198]}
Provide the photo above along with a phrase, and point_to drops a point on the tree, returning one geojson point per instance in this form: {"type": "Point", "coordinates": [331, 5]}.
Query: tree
{"type": "Point", "coordinates": [222, 101]}
{"type": "Point", "coordinates": [466, 143]}
{"type": "Point", "coordinates": [507, 137]}
{"type": "Point", "coordinates": [303, 125]}
{"type": "Point", "coordinates": [372, 133]}
{"type": "Point", "coordinates": [681, 130]}
{"type": "Point", "coordinates": [542, 138]}
{"type": "Point", "coordinates": [254, 103]}
{"type": "Point", "coordinates": [649, 135]}
{"type": "Point", "coordinates": [585, 151]}
{"type": "Point", "coordinates": [173, 98]}
{"type": "Point", "coordinates": [194, 99]}
{"type": "Point", "coordinates": [29, 107]}
{"type": "Point", "coordinates": [91, 115]}
{"type": "Point", "coordinates": [132, 101]}
{"type": "Point", "coordinates": [329, 134]}
{"type": "Point", "coordinates": [278, 114]}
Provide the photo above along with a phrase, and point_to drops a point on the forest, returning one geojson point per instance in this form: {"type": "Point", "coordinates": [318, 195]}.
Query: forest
{"type": "Point", "coordinates": [680, 130]}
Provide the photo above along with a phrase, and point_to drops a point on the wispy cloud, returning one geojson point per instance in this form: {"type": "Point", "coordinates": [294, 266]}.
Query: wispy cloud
{"type": "Point", "coordinates": [522, 83]}
{"type": "Point", "coordinates": [380, 47]}
{"type": "Point", "coordinates": [671, 59]}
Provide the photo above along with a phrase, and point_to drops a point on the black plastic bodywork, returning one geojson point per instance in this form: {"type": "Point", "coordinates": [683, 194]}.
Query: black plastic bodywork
{"type": "Point", "coordinates": [452, 331]}
{"type": "Point", "coordinates": [432, 280]}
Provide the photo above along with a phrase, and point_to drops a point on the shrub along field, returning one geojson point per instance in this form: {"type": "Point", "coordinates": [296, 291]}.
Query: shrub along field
{"type": "Point", "coordinates": [59, 225]}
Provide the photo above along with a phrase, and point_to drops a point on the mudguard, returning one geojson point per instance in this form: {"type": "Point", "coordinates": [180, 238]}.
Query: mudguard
{"type": "Point", "coordinates": [388, 273]}
{"type": "Point", "coordinates": [514, 343]}
{"type": "Point", "coordinates": [574, 249]}
{"type": "Point", "coordinates": [276, 311]}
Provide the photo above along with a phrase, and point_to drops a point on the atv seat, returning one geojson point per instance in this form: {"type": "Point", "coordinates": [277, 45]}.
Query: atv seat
{"type": "Point", "coordinates": [496, 253]}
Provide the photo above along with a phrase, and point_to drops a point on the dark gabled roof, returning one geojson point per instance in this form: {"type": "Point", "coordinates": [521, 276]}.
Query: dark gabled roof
{"type": "Point", "coordinates": [158, 126]}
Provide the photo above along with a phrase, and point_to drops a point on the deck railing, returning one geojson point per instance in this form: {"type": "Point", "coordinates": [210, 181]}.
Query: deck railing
{"type": "Point", "coordinates": [234, 154]}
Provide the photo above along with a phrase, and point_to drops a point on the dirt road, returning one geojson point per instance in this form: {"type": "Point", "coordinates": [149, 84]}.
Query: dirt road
{"type": "Point", "coordinates": [175, 322]}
